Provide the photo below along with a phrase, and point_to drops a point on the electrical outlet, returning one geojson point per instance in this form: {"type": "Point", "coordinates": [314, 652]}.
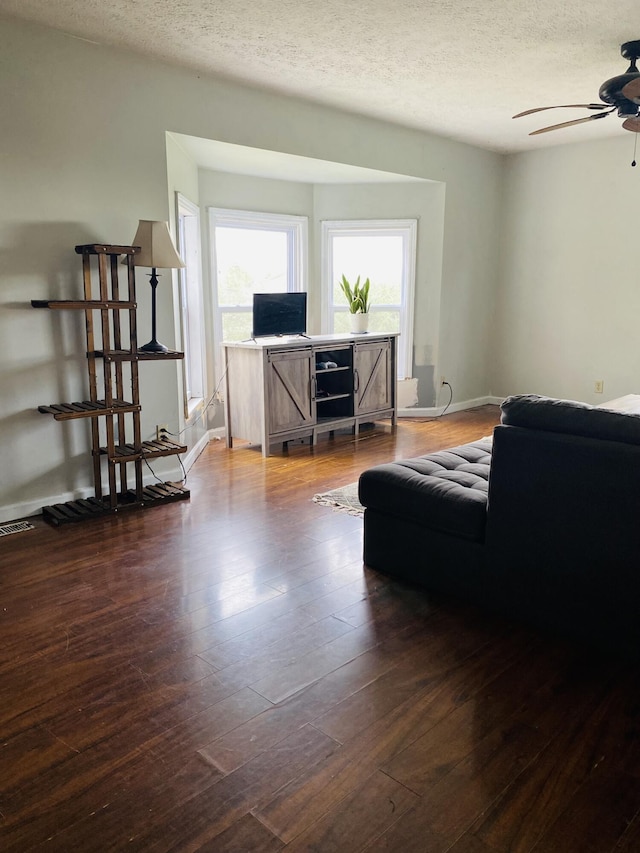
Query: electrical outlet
{"type": "Point", "coordinates": [598, 386]}
{"type": "Point", "coordinates": [161, 431]}
{"type": "Point", "coordinates": [443, 380]}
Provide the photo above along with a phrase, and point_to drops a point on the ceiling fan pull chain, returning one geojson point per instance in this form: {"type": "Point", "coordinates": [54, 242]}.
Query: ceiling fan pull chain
{"type": "Point", "coordinates": [635, 147]}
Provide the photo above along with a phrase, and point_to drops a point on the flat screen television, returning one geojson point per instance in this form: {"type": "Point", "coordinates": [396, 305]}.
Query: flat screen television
{"type": "Point", "coordinates": [279, 314]}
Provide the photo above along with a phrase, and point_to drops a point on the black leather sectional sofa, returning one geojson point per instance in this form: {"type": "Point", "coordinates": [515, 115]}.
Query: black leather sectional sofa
{"type": "Point", "coordinates": [540, 522]}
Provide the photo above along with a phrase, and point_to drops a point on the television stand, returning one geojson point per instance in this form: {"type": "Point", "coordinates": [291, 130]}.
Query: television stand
{"type": "Point", "coordinates": [276, 390]}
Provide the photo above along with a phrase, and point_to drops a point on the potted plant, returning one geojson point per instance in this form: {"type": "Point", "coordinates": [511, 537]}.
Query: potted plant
{"type": "Point", "coordinates": [358, 299]}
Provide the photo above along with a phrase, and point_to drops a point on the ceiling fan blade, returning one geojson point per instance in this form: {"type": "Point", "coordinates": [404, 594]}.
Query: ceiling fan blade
{"type": "Point", "coordinates": [569, 123]}
{"type": "Point", "coordinates": [632, 91]}
{"type": "Point", "coordinates": [632, 124]}
{"type": "Point", "coordinates": [564, 107]}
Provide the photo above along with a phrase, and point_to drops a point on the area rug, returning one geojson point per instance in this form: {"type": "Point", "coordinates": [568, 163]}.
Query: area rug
{"type": "Point", "coordinates": [344, 499]}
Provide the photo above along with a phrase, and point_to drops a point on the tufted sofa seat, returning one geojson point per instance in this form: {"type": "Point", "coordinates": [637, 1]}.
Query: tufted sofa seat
{"type": "Point", "coordinates": [448, 489]}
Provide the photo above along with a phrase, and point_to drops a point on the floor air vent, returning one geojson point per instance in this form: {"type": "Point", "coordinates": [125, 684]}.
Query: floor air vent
{"type": "Point", "coordinates": [16, 527]}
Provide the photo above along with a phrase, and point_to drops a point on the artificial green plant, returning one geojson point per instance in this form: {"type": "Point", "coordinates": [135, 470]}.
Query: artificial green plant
{"type": "Point", "coordinates": [357, 296]}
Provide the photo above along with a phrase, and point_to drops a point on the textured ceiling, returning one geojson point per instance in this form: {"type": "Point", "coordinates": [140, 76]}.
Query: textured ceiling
{"type": "Point", "coordinates": [459, 68]}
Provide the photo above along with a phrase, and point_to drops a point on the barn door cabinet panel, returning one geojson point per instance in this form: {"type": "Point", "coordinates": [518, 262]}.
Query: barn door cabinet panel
{"type": "Point", "coordinates": [281, 389]}
{"type": "Point", "coordinates": [373, 392]}
{"type": "Point", "coordinates": [289, 399]}
{"type": "Point", "coordinates": [113, 403]}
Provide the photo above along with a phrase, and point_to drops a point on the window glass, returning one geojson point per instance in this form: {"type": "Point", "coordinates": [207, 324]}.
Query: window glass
{"type": "Point", "coordinates": [250, 261]}
{"type": "Point", "coordinates": [251, 253]}
{"type": "Point", "coordinates": [384, 252]}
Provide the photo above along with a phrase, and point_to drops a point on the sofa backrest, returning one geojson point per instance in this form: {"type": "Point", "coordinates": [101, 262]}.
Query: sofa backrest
{"type": "Point", "coordinates": [531, 411]}
{"type": "Point", "coordinates": [564, 490]}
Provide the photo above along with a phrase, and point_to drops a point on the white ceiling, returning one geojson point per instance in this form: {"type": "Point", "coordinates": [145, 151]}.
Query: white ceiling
{"type": "Point", "coordinates": [459, 68]}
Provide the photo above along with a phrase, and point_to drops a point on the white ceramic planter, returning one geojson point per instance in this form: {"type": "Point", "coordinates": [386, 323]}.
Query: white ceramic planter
{"type": "Point", "coordinates": [359, 323]}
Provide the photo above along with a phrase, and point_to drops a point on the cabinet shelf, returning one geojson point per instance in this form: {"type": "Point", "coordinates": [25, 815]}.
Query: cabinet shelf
{"type": "Point", "coordinates": [322, 371]}
{"type": "Point", "coordinates": [325, 397]}
{"type": "Point", "coordinates": [338, 421]}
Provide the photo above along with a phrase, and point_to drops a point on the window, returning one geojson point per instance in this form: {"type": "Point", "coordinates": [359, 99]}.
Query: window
{"type": "Point", "coordinates": [188, 219]}
{"type": "Point", "coordinates": [252, 253]}
{"type": "Point", "coordinates": [383, 251]}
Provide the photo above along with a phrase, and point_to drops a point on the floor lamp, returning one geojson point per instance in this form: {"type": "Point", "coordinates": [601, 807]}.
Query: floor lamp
{"type": "Point", "coordinates": [158, 252]}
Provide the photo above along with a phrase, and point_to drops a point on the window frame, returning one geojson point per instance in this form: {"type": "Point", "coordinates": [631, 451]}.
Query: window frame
{"type": "Point", "coordinates": [192, 330]}
{"type": "Point", "coordinates": [296, 229]}
{"type": "Point", "coordinates": [407, 229]}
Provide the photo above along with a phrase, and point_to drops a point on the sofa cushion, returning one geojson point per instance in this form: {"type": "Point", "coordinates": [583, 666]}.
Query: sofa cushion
{"type": "Point", "coordinates": [445, 491]}
{"type": "Point", "coordinates": [567, 416]}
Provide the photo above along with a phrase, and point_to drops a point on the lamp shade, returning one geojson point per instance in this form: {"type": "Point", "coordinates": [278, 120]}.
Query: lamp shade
{"type": "Point", "coordinates": [156, 246]}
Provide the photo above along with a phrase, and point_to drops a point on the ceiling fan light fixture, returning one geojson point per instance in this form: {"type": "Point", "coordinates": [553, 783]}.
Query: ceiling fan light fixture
{"type": "Point", "coordinates": [619, 94]}
{"type": "Point", "coordinates": [631, 91]}
{"type": "Point", "coordinates": [627, 110]}
{"type": "Point", "coordinates": [612, 90]}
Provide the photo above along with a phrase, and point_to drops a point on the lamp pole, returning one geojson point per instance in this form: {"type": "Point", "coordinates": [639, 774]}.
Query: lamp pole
{"type": "Point", "coordinates": [153, 345]}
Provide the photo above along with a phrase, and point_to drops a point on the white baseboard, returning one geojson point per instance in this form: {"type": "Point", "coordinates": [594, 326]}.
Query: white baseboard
{"type": "Point", "coordinates": [217, 434]}
{"type": "Point", "coordinates": [195, 451]}
{"type": "Point", "coordinates": [435, 411]}
{"type": "Point", "coordinates": [12, 512]}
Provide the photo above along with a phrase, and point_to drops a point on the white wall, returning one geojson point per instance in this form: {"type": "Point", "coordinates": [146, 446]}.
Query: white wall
{"type": "Point", "coordinates": [83, 156]}
{"type": "Point", "coordinates": [568, 303]}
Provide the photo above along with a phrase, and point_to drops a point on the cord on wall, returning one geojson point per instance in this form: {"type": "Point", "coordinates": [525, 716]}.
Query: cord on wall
{"type": "Point", "coordinates": [214, 400]}
{"type": "Point", "coordinates": [448, 384]}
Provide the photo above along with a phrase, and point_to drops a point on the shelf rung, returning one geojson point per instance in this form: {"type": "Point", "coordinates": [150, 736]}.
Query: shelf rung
{"type": "Point", "coordinates": [149, 450]}
{"type": "Point", "coordinates": [63, 304]}
{"type": "Point", "coordinates": [81, 510]}
{"type": "Point", "coordinates": [136, 355]}
{"type": "Point", "coordinates": [87, 409]}
{"type": "Point", "coordinates": [106, 249]}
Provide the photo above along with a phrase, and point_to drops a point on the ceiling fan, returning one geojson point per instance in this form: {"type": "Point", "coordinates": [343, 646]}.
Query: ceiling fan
{"type": "Point", "coordinates": [619, 94]}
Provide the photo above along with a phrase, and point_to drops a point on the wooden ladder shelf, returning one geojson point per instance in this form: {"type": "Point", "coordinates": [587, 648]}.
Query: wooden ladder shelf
{"type": "Point", "coordinates": [117, 447]}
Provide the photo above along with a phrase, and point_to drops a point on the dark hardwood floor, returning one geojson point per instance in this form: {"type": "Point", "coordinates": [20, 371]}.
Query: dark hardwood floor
{"type": "Point", "coordinates": [225, 675]}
